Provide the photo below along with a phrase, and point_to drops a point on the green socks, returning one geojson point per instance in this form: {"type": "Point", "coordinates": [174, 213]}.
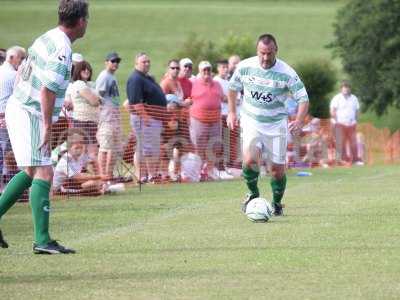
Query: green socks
{"type": "Point", "coordinates": [251, 177]}
{"type": "Point", "coordinates": [14, 189]}
{"type": "Point", "coordinates": [39, 197]}
{"type": "Point", "coordinates": [278, 188]}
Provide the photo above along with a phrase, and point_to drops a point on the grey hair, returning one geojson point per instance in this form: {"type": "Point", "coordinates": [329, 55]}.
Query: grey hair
{"type": "Point", "coordinates": [15, 50]}
{"type": "Point", "coordinates": [140, 54]}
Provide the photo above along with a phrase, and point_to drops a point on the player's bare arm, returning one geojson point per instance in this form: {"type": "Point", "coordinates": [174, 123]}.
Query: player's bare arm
{"type": "Point", "coordinates": [231, 119]}
{"type": "Point", "coordinates": [297, 124]}
{"type": "Point", "coordinates": [47, 101]}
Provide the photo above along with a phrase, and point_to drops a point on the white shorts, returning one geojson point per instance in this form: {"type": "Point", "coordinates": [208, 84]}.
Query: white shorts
{"type": "Point", "coordinates": [25, 131]}
{"type": "Point", "coordinates": [272, 146]}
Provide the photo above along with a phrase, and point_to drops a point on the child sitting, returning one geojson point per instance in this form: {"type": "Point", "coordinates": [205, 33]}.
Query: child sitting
{"type": "Point", "coordinates": [70, 175]}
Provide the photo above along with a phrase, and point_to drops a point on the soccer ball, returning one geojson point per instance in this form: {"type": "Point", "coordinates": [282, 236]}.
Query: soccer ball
{"type": "Point", "coordinates": [259, 210]}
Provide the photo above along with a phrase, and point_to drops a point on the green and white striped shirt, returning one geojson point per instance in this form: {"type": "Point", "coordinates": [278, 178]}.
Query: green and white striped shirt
{"type": "Point", "coordinates": [48, 65]}
{"type": "Point", "coordinates": [266, 90]}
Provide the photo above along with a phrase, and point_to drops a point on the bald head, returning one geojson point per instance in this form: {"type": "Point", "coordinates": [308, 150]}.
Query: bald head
{"type": "Point", "coordinates": [142, 62]}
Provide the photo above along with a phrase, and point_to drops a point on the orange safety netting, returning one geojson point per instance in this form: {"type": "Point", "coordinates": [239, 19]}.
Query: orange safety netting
{"type": "Point", "coordinates": [149, 144]}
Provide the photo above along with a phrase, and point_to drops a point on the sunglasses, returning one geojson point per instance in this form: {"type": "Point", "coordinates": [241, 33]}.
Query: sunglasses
{"type": "Point", "coordinates": [174, 68]}
{"type": "Point", "coordinates": [188, 66]}
{"type": "Point", "coordinates": [207, 70]}
{"type": "Point", "coordinates": [117, 60]}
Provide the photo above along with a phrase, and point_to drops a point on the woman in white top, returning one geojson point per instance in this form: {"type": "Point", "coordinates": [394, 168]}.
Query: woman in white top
{"type": "Point", "coordinates": [86, 103]}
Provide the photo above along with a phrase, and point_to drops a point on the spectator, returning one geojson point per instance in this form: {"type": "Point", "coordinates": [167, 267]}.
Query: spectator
{"type": "Point", "coordinates": [8, 72]}
{"type": "Point", "coordinates": [85, 101]}
{"type": "Point", "coordinates": [67, 106]}
{"type": "Point", "coordinates": [2, 55]}
{"type": "Point", "coordinates": [232, 63]}
{"type": "Point", "coordinates": [185, 75]}
{"type": "Point", "coordinates": [70, 175]}
{"type": "Point", "coordinates": [109, 126]}
{"type": "Point", "coordinates": [344, 108]}
{"type": "Point", "coordinates": [147, 106]}
{"type": "Point", "coordinates": [205, 118]}
{"type": "Point", "coordinates": [176, 131]}
{"type": "Point", "coordinates": [229, 138]}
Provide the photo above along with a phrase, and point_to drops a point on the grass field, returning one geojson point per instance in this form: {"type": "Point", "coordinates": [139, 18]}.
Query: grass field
{"type": "Point", "coordinates": [338, 240]}
{"type": "Point", "coordinates": [160, 27]}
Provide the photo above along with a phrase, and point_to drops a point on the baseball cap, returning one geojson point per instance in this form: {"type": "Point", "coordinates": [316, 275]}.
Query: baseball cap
{"type": "Point", "coordinates": [204, 64]}
{"type": "Point", "coordinates": [185, 61]}
{"type": "Point", "coordinates": [112, 56]}
{"type": "Point", "coordinates": [77, 57]}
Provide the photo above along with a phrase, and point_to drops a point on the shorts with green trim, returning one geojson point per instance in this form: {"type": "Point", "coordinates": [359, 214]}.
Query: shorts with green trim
{"type": "Point", "coordinates": [272, 146]}
{"type": "Point", "coordinates": [25, 131]}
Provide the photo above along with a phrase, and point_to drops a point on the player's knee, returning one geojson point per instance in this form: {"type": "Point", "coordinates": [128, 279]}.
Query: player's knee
{"type": "Point", "coordinates": [44, 173]}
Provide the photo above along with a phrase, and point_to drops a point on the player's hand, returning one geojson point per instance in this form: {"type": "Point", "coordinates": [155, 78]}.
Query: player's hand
{"type": "Point", "coordinates": [45, 143]}
{"type": "Point", "coordinates": [295, 127]}
{"type": "Point", "coordinates": [232, 121]}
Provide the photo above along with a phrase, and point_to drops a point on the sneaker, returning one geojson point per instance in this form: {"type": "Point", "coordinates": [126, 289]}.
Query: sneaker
{"type": "Point", "coordinates": [53, 247]}
{"type": "Point", "coordinates": [278, 209]}
{"type": "Point", "coordinates": [359, 163]}
{"type": "Point", "coordinates": [214, 174]}
{"type": "Point", "coordinates": [247, 199]}
{"type": "Point", "coordinates": [224, 175]}
{"type": "Point", "coordinates": [3, 243]}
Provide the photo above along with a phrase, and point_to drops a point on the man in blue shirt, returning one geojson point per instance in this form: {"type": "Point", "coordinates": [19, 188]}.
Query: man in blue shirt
{"type": "Point", "coordinates": [147, 106]}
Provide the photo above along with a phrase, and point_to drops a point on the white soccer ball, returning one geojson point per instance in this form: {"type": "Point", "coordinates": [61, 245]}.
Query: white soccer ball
{"type": "Point", "coordinates": [259, 210]}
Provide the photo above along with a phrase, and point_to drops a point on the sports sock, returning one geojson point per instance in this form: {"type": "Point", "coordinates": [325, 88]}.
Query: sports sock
{"type": "Point", "coordinates": [39, 198]}
{"type": "Point", "coordinates": [251, 177]}
{"type": "Point", "coordinates": [14, 189]}
{"type": "Point", "coordinates": [278, 188]}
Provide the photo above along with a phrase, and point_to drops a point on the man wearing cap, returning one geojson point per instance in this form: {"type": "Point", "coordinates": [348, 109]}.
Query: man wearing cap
{"type": "Point", "coordinates": [344, 108]}
{"type": "Point", "coordinates": [109, 126]}
{"type": "Point", "coordinates": [147, 106]}
{"type": "Point", "coordinates": [185, 76]}
{"type": "Point", "coordinates": [205, 118]}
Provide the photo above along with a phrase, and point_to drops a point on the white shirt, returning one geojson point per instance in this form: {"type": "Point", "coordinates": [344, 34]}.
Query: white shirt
{"type": "Point", "coordinates": [67, 167]}
{"type": "Point", "coordinates": [7, 79]}
{"type": "Point", "coordinates": [225, 87]}
{"type": "Point", "coordinates": [346, 109]}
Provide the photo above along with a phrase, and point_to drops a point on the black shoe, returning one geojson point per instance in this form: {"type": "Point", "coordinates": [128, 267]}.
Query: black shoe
{"type": "Point", "coordinates": [52, 247]}
{"type": "Point", "coordinates": [278, 209]}
{"type": "Point", "coordinates": [247, 199]}
{"type": "Point", "coordinates": [3, 243]}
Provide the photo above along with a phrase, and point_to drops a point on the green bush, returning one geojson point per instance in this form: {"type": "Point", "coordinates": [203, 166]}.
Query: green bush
{"type": "Point", "coordinates": [244, 46]}
{"type": "Point", "coordinates": [319, 78]}
{"type": "Point", "coordinates": [198, 49]}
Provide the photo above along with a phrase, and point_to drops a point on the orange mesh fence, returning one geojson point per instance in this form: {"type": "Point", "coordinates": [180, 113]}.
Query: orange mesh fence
{"type": "Point", "coordinates": [149, 144]}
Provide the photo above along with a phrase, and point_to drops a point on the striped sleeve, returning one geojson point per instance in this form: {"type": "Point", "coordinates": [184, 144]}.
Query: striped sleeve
{"type": "Point", "coordinates": [235, 83]}
{"type": "Point", "coordinates": [297, 88]}
{"type": "Point", "coordinates": [56, 71]}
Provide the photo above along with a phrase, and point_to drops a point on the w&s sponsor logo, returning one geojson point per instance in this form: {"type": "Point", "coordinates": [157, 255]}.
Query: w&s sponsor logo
{"type": "Point", "coordinates": [262, 97]}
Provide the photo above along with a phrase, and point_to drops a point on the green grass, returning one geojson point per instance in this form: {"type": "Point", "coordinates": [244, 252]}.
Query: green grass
{"type": "Point", "coordinates": [338, 240]}
{"type": "Point", "coordinates": [160, 27]}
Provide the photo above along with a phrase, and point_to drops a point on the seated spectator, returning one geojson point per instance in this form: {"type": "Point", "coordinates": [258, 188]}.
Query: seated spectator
{"type": "Point", "coordinates": [191, 167]}
{"type": "Point", "coordinates": [147, 107]}
{"type": "Point", "coordinates": [86, 103]}
{"type": "Point", "coordinates": [70, 175]}
{"type": "Point", "coordinates": [205, 119]}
